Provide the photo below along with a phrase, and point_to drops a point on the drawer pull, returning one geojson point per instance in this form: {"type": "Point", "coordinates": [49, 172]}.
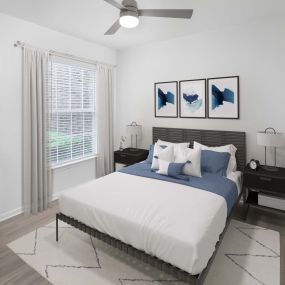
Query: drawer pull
{"type": "Point", "coordinates": [265, 179]}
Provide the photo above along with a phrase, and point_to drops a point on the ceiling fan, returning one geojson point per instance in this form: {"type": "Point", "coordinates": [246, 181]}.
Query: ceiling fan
{"type": "Point", "coordinates": [129, 14]}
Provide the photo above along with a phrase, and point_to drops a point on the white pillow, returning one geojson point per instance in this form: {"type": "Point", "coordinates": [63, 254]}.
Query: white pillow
{"type": "Point", "coordinates": [163, 167]}
{"type": "Point", "coordinates": [185, 154]}
{"type": "Point", "coordinates": [175, 145]}
{"type": "Point", "coordinates": [230, 148]}
{"type": "Point", "coordinates": [161, 153]}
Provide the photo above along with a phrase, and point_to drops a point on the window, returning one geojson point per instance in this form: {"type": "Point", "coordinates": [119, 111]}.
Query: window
{"type": "Point", "coordinates": [71, 107]}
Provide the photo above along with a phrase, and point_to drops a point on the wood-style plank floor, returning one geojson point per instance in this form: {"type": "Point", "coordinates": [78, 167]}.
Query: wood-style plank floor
{"type": "Point", "coordinates": [13, 271]}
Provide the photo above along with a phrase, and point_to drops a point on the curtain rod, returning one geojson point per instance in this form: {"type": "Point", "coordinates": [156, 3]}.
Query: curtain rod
{"type": "Point", "coordinates": [65, 55]}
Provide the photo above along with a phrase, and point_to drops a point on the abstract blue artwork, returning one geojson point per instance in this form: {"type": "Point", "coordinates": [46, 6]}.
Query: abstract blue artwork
{"type": "Point", "coordinates": [218, 96]}
{"type": "Point", "coordinates": [192, 98]}
{"type": "Point", "coordinates": [192, 102]}
{"type": "Point", "coordinates": [223, 97]}
{"type": "Point", "coordinates": [163, 99]}
{"type": "Point", "coordinates": [166, 99]}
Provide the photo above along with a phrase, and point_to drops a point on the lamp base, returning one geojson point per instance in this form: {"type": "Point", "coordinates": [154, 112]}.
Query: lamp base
{"type": "Point", "coordinates": [270, 168]}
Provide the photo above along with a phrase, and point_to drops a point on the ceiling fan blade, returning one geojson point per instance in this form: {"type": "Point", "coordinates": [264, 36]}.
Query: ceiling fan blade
{"type": "Point", "coordinates": [115, 4]}
{"type": "Point", "coordinates": [116, 26]}
{"type": "Point", "coordinates": [168, 13]}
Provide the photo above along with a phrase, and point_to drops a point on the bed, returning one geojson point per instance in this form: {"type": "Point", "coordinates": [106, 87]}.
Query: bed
{"type": "Point", "coordinates": [158, 220]}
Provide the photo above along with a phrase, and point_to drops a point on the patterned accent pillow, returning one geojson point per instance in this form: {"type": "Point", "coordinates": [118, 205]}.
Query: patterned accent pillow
{"type": "Point", "coordinates": [161, 152]}
{"type": "Point", "coordinates": [175, 145]}
{"type": "Point", "coordinates": [170, 168]}
{"type": "Point", "coordinates": [150, 152]}
{"type": "Point", "coordinates": [192, 159]}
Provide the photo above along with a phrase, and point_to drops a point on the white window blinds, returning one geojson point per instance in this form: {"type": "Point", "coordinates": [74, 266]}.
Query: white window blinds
{"type": "Point", "coordinates": [72, 132]}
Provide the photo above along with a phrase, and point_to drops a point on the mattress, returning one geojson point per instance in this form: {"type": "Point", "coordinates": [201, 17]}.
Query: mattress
{"type": "Point", "coordinates": [176, 223]}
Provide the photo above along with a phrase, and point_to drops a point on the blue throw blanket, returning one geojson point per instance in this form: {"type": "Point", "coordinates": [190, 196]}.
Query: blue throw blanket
{"type": "Point", "coordinates": [209, 182]}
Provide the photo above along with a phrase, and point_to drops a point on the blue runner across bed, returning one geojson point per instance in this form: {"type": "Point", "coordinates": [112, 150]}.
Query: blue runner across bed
{"type": "Point", "coordinates": [209, 182]}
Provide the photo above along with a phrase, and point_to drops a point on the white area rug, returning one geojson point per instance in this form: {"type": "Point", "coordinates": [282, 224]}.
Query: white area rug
{"type": "Point", "coordinates": [249, 255]}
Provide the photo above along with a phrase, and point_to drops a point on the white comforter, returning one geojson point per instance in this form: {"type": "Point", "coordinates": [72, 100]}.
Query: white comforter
{"type": "Point", "coordinates": [176, 223]}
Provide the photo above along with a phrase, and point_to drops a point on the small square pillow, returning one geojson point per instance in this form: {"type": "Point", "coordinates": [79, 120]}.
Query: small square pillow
{"type": "Point", "coordinates": [215, 162]}
{"type": "Point", "coordinates": [230, 148]}
{"type": "Point", "coordinates": [192, 159]}
{"type": "Point", "coordinates": [161, 152]}
{"type": "Point", "coordinates": [170, 168]}
{"type": "Point", "coordinates": [175, 145]}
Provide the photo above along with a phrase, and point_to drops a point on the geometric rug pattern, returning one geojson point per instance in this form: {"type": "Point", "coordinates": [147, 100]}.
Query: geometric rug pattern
{"type": "Point", "coordinates": [248, 255]}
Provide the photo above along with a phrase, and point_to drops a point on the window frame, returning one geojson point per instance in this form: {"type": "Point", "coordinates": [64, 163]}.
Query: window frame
{"type": "Point", "coordinates": [70, 112]}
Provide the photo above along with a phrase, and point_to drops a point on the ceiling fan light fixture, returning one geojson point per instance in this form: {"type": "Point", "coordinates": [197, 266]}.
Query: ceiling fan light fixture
{"type": "Point", "coordinates": [129, 19]}
{"type": "Point", "coordinates": [130, 13]}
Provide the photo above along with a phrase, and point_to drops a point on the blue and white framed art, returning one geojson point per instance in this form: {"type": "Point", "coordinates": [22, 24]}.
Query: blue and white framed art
{"type": "Point", "coordinates": [165, 99]}
{"type": "Point", "coordinates": [223, 97]}
{"type": "Point", "coordinates": [192, 98]}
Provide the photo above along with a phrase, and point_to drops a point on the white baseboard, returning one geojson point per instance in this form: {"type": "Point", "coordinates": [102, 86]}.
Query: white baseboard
{"type": "Point", "coordinates": [9, 214]}
{"type": "Point", "coordinates": [55, 196]}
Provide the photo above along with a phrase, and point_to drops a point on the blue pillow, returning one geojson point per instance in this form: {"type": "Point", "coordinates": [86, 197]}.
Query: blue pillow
{"type": "Point", "coordinates": [175, 169]}
{"type": "Point", "coordinates": [172, 169]}
{"type": "Point", "coordinates": [215, 162]}
{"type": "Point", "coordinates": [150, 154]}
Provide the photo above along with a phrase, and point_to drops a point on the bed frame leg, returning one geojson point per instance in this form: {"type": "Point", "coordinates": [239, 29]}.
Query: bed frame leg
{"type": "Point", "coordinates": [56, 228]}
{"type": "Point", "coordinates": [245, 207]}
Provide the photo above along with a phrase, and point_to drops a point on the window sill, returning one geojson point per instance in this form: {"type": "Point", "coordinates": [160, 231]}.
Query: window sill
{"type": "Point", "coordinates": [74, 162]}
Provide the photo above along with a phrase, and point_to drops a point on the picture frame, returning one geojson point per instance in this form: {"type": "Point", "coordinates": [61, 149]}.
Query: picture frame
{"type": "Point", "coordinates": [223, 97]}
{"type": "Point", "coordinates": [193, 98]}
{"type": "Point", "coordinates": [166, 99]}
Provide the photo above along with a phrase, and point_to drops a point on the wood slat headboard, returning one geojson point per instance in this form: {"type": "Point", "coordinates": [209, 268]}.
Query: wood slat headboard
{"type": "Point", "coordinates": [206, 137]}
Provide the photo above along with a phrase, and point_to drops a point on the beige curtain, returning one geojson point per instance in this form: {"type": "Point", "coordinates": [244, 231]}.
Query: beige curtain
{"type": "Point", "coordinates": [35, 169]}
{"type": "Point", "coordinates": [104, 117]}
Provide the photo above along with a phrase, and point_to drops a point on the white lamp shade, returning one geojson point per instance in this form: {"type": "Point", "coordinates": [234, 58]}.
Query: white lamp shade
{"type": "Point", "coordinates": [134, 130]}
{"type": "Point", "coordinates": [270, 139]}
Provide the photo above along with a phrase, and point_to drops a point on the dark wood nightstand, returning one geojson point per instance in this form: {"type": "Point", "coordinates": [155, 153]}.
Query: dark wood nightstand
{"type": "Point", "coordinates": [128, 156]}
{"type": "Point", "coordinates": [264, 182]}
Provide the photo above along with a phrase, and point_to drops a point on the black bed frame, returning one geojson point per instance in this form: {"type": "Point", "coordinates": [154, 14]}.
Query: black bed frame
{"type": "Point", "coordinates": [207, 137]}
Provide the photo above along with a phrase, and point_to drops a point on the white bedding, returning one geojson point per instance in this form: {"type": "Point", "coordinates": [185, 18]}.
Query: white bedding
{"type": "Point", "coordinates": [176, 223]}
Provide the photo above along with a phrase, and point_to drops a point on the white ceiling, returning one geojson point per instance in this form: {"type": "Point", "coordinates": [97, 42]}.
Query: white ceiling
{"type": "Point", "coordinates": [89, 19]}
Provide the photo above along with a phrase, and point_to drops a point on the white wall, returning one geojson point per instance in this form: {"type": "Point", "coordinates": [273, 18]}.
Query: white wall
{"type": "Point", "coordinates": [71, 175]}
{"type": "Point", "coordinates": [255, 52]}
{"type": "Point", "coordinates": [11, 30]}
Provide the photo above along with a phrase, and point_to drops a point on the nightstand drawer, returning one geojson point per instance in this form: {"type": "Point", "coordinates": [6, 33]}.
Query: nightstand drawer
{"type": "Point", "coordinates": [123, 158]}
{"type": "Point", "coordinates": [270, 184]}
{"type": "Point", "coordinates": [129, 157]}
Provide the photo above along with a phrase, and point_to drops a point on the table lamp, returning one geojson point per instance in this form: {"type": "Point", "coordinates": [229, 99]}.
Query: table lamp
{"type": "Point", "coordinates": [269, 138]}
{"type": "Point", "coordinates": [135, 131]}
